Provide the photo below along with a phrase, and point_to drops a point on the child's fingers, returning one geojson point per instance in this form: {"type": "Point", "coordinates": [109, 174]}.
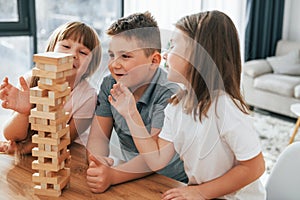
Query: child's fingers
{"type": "Point", "coordinates": [111, 100]}
{"type": "Point", "coordinates": [4, 83]}
{"type": "Point", "coordinates": [124, 89]}
{"type": "Point", "coordinates": [5, 104]}
{"type": "Point", "coordinates": [23, 84]}
{"type": "Point", "coordinates": [3, 94]}
{"type": "Point", "coordinates": [102, 161]}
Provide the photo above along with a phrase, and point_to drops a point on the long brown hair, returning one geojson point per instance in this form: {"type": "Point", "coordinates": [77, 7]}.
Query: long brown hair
{"type": "Point", "coordinates": [215, 62]}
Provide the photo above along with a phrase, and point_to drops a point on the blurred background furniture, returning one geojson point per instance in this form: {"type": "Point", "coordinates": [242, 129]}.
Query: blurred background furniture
{"type": "Point", "coordinates": [284, 180]}
{"type": "Point", "coordinates": [295, 108]}
{"type": "Point", "coordinates": [273, 84]}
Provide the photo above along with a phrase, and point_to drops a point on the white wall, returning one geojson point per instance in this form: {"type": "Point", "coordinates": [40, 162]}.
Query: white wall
{"type": "Point", "coordinates": [291, 25]}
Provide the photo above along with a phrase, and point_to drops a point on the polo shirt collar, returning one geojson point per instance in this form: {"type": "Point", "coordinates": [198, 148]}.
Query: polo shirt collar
{"type": "Point", "coordinates": [149, 91]}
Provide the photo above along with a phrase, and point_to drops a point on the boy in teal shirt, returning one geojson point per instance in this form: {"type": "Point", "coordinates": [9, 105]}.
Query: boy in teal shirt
{"type": "Point", "coordinates": [134, 52]}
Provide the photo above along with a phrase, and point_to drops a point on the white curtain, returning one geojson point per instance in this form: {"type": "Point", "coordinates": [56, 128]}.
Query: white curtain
{"type": "Point", "coordinates": [167, 12]}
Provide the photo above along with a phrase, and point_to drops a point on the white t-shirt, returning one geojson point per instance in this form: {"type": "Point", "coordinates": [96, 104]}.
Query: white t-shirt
{"type": "Point", "coordinates": [210, 148]}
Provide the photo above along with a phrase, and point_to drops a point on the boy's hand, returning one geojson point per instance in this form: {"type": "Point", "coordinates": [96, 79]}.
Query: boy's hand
{"type": "Point", "coordinates": [122, 99]}
{"type": "Point", "coordinates": [15, 99]}
{"type": "Point", "coordinates": [99, 174]}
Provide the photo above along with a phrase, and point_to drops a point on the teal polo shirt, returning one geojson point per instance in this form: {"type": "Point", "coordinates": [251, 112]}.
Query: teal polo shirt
{"type": "Point", "coordinates": [151, 108]}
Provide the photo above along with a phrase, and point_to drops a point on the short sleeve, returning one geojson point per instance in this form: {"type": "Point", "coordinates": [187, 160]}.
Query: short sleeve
{"type": "Point", "coordinates": [159, 107]}
{"type": "Point", "coordinates": [167, 132]}
{"type": "Point", "coordinates": [103, 107]}
{"type": "Point", "coordinates": [237, 129]}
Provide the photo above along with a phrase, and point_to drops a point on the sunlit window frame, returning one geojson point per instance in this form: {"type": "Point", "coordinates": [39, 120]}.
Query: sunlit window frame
{"type": "Point", "coordinates": [25, 26]}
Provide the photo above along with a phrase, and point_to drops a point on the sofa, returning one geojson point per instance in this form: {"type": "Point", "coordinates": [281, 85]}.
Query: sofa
{"type": "Point", "coordinates": [273, 84]}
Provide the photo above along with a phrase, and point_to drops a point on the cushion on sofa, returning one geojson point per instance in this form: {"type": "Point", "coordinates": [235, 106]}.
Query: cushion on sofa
{"type": "Point", "coordinates": [288, 64]}
{"type": "Point", "coordinates": [277, 83]}
{"type": "Point", "coordinates": [256, 68]}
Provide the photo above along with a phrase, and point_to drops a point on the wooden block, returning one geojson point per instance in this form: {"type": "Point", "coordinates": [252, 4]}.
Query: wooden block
{"type": "Point", "coordinates": [46, 127]}
{"type": "Point", "coordinates": [47, 74]}
{"type": "Point", "coordinates": [65, 154]}
{"type": "Point", "coordinates": [41, 147]}
{"type": "Point", "coordinates": [48, 81]}
{"type": "Point", "coordinates": [63, 182]}
{"type": "Point", "coordinates": [46, 101]}
{"type": "Point", "coordinates": [48, 154]}
{"type": "Point", "coordinates": [54, 115]}
{"type": "Point", "coordinates": [61, 133]}
{"type": "Point", "coordinates": [42, 134]}
{"type": "Point", "coordinates": [42, 173]}
{"type": "Point", "coordinates": [48, 147]}
{"type": "Point", "coordinates": [43, 140]}
{"type": "Point", "coordinates": [58, 94]}
{"type": "Point", "coordinates": [46, 192]}
{"type": "Point", "coordinates": [52, 58]}
{"type": "Point", "coordinates": [38, 92]}
{"type": "Point", "coordinates": [64, 142]}
{"type": "Point", "coordinates": [68, 73]}
{"type": "Point", "coordinates": [58, 179]}
{"type": "Point", "coordinates": [63, 119]}
{"type": "Point", "coordinates": [48, 108]}
{"type": "Point", "coordinates": [55, 68]}
{"type": "Point", "coordinates": [57, 87]}
{"type": "Point", "coordinates": [46, 166]}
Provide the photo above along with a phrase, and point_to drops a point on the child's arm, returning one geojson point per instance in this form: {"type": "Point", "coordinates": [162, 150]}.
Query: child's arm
{"type": "Point", "coordinates": [78, 126]}
{"type": "Point", "coordinates": [238, 177]}
{"type": "Point", "coordinates": [100, 175]}
{"type": "Point", "coordinates": [156, 152]}
{"type": "Point", "coordinates": [16, 127]}
{"type": "Point", "coordinates": [99, 136]}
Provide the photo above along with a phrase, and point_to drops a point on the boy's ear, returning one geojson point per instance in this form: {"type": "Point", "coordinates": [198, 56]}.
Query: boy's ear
{"type": "Point", "coordinates": [156, 58]}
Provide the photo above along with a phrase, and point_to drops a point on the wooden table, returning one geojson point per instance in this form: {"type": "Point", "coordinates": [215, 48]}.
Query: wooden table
{"type": "Point", "coordinates": [15, 181]}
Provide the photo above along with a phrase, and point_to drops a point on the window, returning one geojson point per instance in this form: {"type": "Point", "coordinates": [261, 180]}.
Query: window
{"type": "Point", "coordinates": [17, 37]}
{"type": "Point", "coordinates": [25, 26]}
{"type": "Point", "coordinates": [52, 13]}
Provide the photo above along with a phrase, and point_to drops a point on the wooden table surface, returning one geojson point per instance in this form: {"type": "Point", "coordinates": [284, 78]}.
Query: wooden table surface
{"type": "Point", "coordinates": [16, 183]}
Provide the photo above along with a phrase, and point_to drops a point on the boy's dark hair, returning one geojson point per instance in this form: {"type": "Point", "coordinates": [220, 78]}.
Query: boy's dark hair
{"type": "Point", "coordinates": [140, 26]}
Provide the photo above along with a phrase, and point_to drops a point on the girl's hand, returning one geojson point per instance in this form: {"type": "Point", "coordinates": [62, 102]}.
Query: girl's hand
{"type": "Point", "coordinates": [15, 99]}
{"type": "Point", "coordinates": [183, 193]}
{"type": "Point", "coordinates": [122, 99]}
{"type": "Point", "coordinates": [8, 147]}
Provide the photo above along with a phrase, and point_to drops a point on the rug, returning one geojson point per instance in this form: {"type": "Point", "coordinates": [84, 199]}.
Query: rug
{"type": "Point", "coordinates": [274, 132]}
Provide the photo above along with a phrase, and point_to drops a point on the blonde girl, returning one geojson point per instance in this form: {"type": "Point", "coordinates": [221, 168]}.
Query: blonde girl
{"type": "Point", "coordinates": [80, 40]}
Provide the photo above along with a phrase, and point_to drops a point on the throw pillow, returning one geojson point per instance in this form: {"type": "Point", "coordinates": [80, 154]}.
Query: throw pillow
{"type": "Point", "coordinates": [288, 64]}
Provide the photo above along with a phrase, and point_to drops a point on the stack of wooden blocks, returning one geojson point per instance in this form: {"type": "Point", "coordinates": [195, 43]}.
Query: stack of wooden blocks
{"type": "Point", "coordinates": [49, 119]}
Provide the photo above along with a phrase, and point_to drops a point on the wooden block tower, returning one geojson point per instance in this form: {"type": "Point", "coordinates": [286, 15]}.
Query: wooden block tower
{"type": "Point", "coordinates": [49, 119]}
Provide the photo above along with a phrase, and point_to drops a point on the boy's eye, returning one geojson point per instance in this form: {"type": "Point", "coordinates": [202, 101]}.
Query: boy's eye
{"type": "Point", "coordinates": [125, 56]}
{"type": "Point", "coordinates": [111, 55]}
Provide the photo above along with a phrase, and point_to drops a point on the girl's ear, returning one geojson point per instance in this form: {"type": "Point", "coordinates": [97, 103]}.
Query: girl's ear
{"type": "Point", "coordinates": [156, 58]}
